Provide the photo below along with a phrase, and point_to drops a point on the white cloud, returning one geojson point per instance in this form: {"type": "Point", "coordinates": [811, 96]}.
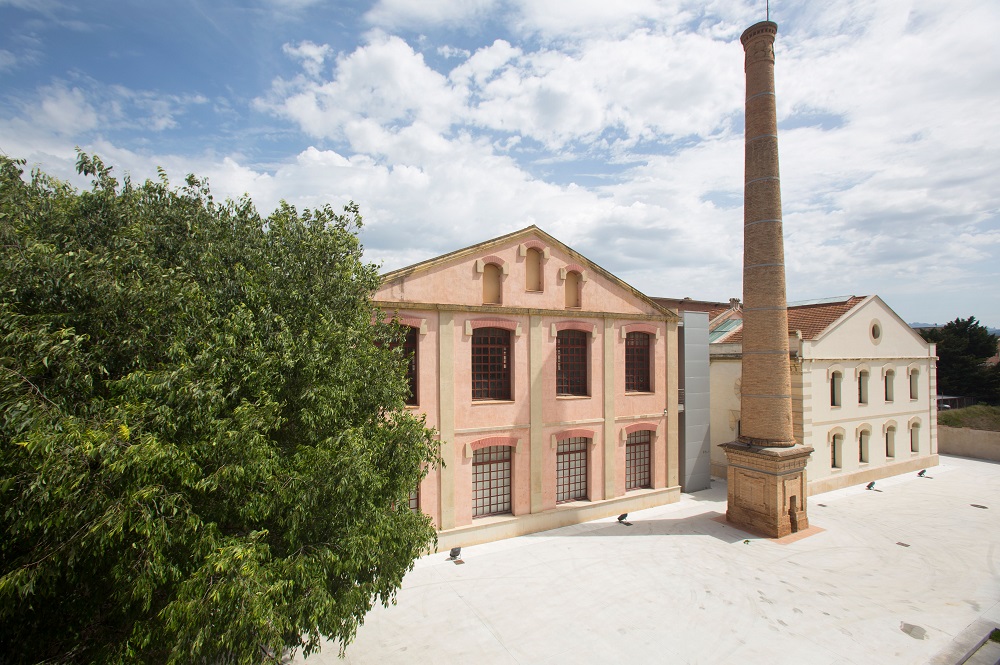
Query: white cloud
{"type": "Point", "coordinates": [384, 82]}
{"type": "Point", "coordinates": [312, 55]}
{"type": "Point", "coordinates": [394, 14]}
{"type": "Point", "coordinates": [63, 110]}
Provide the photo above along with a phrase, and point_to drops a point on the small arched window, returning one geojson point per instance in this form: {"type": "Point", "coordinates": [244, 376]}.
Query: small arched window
{"type": "Point", "coordinates": [863, 387]}
{"type": "Point", "coordinates": [573, 290]}
{"type": "Point", "coordinates": [914, 383]}
{"type": "Point", "coordinates": [837, 451]}
{"type": "Point", "coordinates": [533, 270]}
{"type": "Point", "coordinates": [492, 293]}
{"type": "Point", "coordinates": [914, 438]}
{"type": "Point", "coordinates": [890, 442]}
{"type": "Point", "coordinates": [836, 379]}
{"type": "Point", "coordinates": [863, 439]}
{"type": "Point", "coordinates": [890, 379]}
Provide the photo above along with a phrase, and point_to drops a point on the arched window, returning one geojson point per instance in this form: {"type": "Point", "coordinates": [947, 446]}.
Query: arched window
{"type": "Point", "coordinates": [573, 290]}
{"type": "Point", "coordinates": [915, 438]}
{"type": "Point", "coordinates": [637, 460]}
{"type": "Point", "coordinates": [890, 442]}
{"type": "Point", "coordinates": [492, 293]}
{"type": "Point", "coordinates": [492, 471]}
{"type": "Point", "coordinates": [491, 364]}
{"type": "Point", "coordinates": [637, 362]}
{"type": "Point", "coordinates": [837, 451]}
{"type": "Point", "coordinates": [914, 382]}
{"type": "Point", "coordinates": [863, 438]}
{"type": "Point", "coordinates": [571, 362]}
{"type": "Point", "coordinates": [533, 270]}
{"type": "Point", "coordinates": [836, 379]}
{"type": "Point", "coordinates": [890, 379]}
{"type": "Point", "coordinates": [571, 469]}
{"type": "Point", "coordinates": [863, 387]}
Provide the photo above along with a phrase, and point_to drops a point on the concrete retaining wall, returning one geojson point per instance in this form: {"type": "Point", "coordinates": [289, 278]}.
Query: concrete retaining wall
{"type": "Point", "coordinates": [966, 442]}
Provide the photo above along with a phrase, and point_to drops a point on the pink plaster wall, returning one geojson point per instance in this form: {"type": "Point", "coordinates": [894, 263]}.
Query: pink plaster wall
{"type": "Point", "coordinates": [458, 283]}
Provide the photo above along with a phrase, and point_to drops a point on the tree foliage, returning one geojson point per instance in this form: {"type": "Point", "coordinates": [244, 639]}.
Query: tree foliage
{"type": "Point", "coordinates": [204, 450]}
{"type": "Point", "coordinates": [962, 347]}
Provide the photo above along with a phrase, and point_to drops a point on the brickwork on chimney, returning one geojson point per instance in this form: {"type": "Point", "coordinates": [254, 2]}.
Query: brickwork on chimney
{"type": "Point", "coordinates": [766, 473]}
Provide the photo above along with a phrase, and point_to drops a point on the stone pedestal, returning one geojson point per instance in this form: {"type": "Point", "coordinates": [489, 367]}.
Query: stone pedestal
{"type": "Point", "coordinates": [767, 488]}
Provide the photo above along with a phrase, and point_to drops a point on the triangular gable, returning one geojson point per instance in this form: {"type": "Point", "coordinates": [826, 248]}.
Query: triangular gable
{"type": "Point", "coordinates": [858, 307]}
{"type": "Point", "coordinates": [451, 278]}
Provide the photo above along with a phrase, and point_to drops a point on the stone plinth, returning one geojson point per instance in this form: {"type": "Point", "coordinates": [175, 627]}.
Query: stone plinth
{"type": "Point", "coordinates": [767, 488]}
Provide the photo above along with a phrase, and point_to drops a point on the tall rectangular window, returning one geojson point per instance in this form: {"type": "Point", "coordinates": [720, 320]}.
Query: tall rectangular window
{"type": "Point", "coordinates": [915, 439]}
{"type": "Point", "coordinates": [571, 469]}
{"type": "Point", "coordinates": [836, 379]}
{"type": "Point", "coordinates": [637, 460]}
{"type": "Point", "coordinates": [491, 481]}
{"type": "Point", "coordinates": [863, 387]}
{"type": "Point", "coordinates": [571, 362]}
{"type": "Point", "coordinates": [637, 362]}
{"type": "Point", "coordinates": [837, 451]}
{"type": "Point", "coordinates": [890, 379]}
{"type": "Point", "coordinates": [890, 442]}
{"type": "Point", "coordinates": [410, 351]}
{"type": "Point", "coordinates": [491, 364]}
{"type": "Point", "coordinates": [914, 382]}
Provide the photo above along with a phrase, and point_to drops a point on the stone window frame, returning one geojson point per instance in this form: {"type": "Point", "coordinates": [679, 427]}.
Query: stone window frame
{"type": "Point", "coordinates": [633, 383]}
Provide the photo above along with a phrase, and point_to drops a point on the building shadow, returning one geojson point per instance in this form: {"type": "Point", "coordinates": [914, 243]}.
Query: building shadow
{"type": "Point", "coordinates": [702, 524]}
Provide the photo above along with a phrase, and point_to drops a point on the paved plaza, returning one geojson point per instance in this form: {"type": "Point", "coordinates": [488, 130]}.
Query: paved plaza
{"type": "Point", "coordinates": [909, 573]}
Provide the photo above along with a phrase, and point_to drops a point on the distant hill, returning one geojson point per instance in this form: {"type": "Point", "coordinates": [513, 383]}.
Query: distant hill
{"type": "Point", "coordinates": [918, 324]}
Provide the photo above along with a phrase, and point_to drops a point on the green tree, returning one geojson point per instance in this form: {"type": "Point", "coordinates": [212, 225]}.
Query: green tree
{"type": "Point", "coordinates": [204, 450]}
{"type": "Point", "coordinates": [962, 347]}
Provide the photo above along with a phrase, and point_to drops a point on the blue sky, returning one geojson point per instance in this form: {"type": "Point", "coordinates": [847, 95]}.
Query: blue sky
{"type": "Point", "coordinates": [616, 127]}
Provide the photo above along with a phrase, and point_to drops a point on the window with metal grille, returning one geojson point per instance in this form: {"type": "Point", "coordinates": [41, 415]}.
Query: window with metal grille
{"type": "Point", "coordinates": [491, 480]}
{"type": "Point", "coordinates": [571, 362]}
{"type": "Point", "coordinates": [571, 469]}
{"type": "Point", "coordinates": [637, 464]}
{"type": "Point", "coordinates": [491, 363]}
{"type": "Point", "coordinates": [410, 351]}
{"type": "Point", "coordinates": [415, 500]}
{"type": "Point", "coordinates": [637, 362]}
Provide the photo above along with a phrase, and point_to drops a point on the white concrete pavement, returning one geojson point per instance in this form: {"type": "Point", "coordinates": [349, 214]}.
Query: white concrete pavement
{"type": "Point", "coordinates": [895, 576]}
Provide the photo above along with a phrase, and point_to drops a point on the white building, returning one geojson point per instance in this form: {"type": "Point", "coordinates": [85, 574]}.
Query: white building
{"type": "Point", "coordinates": [863, 387]}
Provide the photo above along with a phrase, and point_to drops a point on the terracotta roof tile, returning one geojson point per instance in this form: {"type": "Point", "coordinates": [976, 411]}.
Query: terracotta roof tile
{"type": "Point", "coordinates": [812, 320]}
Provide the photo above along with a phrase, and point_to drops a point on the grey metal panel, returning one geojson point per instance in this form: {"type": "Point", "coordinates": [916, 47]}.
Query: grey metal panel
{"type": "Point", "coordinates": [696, 439]}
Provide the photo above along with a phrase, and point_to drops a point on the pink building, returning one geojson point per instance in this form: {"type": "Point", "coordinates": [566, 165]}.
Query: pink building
{"type": "Point", "coordinates": [552, 383]}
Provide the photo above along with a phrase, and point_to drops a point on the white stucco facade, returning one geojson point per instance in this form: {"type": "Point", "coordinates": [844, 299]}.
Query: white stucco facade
{"type": "Point", "coordinates": [863, 396]}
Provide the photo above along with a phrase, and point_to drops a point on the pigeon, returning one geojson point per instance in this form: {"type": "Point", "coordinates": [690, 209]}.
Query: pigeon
{"type": "Point", "coordinates": [870, 485]}
{"type": "Point", "coordinates": [622, 520]}
{"type": "Point", "coordinates": [455, 553]}
{"type": "Point", "coordinates": [922, 472]}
